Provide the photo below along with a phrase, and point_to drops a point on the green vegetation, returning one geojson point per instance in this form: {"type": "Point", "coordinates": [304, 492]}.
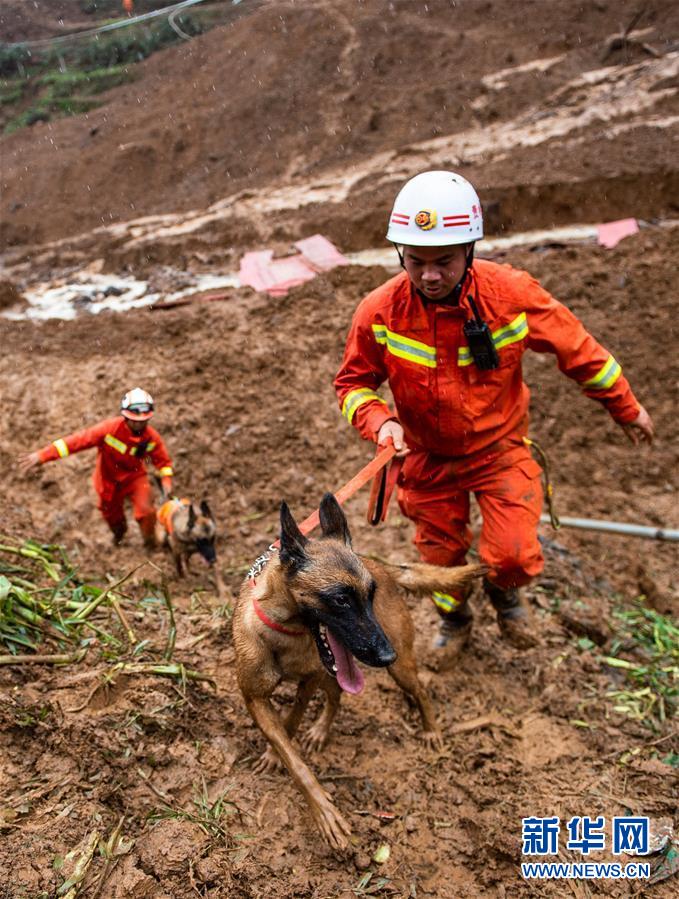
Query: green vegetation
{"type": "Point", "coordinates": [60, 93]}
{"type": "Point", "coordinates": [62, 79]}
{"type": "Point", "coordinates": [65, 84]}
{"type": "Point", "coordinates": [115, 48]}
{"type": "Point", "coordinates": [63, 93]}
{"type": "Point", "coordinates": [212, 816]}
{"type": "Point", "coordinates": [651, 640]}
{"type": "Point", "coordinates": [46, 607]}
{"type": "Point", "coordinates": [11, 93]}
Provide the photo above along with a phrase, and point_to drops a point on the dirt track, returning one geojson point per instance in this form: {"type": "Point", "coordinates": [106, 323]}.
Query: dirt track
{"type": "Point", "coordinates": [243, 390]}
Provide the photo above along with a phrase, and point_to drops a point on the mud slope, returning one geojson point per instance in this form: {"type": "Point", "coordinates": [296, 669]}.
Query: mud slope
{"type": "Point", "coordinates": [305, 92]}
{"type": "Point", "coordinates": [244, 400]}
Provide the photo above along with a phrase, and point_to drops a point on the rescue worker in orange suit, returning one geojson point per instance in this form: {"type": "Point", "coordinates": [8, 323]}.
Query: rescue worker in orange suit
{"type": "Point", "coordinates": [448, 335]}
{"type": "Point", "coordinates": [124, 444]}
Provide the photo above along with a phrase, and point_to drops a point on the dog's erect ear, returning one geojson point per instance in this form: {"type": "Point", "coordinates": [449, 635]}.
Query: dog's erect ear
{"type": "Point", "coordinates": [333, 520]}
{"type": "Point", "coordinates": [192, 517]}
{"type": "Point", "coordinates": [293, 541]}
{"type": "Point", "coordinates": [205, 510]}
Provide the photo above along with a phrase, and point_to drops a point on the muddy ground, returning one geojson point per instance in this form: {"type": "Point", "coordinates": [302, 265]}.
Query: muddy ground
{"type": "Point", "coordinates": [244, 400]}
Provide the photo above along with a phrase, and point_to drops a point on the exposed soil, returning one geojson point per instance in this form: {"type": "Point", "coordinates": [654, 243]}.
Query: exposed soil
{"type": "Point", "coordinates": [244, 400]}
{"type": "Point", "coordinates": [234, 382]}
{"type": "Point", "coordinates": [324, 87]}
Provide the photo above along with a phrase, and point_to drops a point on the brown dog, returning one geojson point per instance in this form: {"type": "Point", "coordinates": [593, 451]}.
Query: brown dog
{"type": "Point", "coordinates": [187, 528]}
{"type": "Point", "coordinates": [306, 614]}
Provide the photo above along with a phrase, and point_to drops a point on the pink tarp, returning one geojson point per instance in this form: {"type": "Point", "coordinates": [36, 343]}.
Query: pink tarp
{"type": "Point", "coordinates": [611, 233]}
{"type": "Point", "coordinates": [261, 271]}
{"type": "Point", "coordinates": [320, 253]}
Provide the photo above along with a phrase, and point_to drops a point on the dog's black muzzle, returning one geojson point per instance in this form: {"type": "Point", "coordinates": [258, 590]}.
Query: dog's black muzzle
{"type": "Point", "coordinates": [363, 636]}
{"type": "Point", "coordinates": [207, 550]}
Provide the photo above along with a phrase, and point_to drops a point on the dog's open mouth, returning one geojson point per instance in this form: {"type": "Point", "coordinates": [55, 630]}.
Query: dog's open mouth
{"type": "Point", "coordinates": [339, 661]}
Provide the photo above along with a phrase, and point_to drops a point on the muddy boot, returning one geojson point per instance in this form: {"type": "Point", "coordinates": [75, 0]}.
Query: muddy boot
{"type": "Point", "coordinates": [513, 616]}
{"type": "Point", "coordinates": [453, 634]}
{"type": "Point", "coordinates": [119, 529]}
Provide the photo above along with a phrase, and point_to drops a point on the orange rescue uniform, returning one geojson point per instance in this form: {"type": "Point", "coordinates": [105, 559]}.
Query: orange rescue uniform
{"type": "Point", "coordinates": [120, 471]}
{"type": "Point", "coordinates": [465, 426]}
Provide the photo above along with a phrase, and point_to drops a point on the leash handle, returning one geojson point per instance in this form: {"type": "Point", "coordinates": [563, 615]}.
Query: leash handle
{"type": "Point", "coordinates": [383, 457]}
{"type": "Point", "coordinates": [382, 488]}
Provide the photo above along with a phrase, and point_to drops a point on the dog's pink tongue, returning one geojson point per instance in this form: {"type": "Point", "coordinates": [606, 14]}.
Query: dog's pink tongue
{"type": "Point", "coordinates": [349, 675]}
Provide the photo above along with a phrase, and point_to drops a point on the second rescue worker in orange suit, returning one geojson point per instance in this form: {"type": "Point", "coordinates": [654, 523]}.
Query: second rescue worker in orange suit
{"type": "Point", "coordinates": [123, 445]}
{"type": "Point", "coordinates": [460, 424]}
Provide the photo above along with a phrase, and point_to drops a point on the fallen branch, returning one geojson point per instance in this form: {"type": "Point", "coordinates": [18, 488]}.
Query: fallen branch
{"type": "Point", "coordinates": [199, 297]}
{"type": "Point", "coordinates": [104, 594]}
{"type": "Point", "coordinates": [176, 669]}
{"type": "Point", "coordinates": [122, 617]}
{"type": "Point", "coordinates": [463, 727]}
{"type": "Point", "coordinates": [58, 659]}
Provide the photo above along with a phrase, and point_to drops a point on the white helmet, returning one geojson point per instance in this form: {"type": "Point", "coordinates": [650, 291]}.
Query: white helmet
{"type": "Point", "coordinates": [137, 405]}
{"type": "Point", "coordinates": [436, 209]}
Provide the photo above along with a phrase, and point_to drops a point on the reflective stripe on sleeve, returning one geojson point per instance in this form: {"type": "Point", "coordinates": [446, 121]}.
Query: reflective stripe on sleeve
{"type": "Point", "coordinates": [605, 377]}
{"type": "Point", "coordinates": [356, 398]}
{"type": "Point", "coordinates": [405, 347]}
{"type": "Point", "coordinates": [515, 331]}
{"type": "Point", "coordinates": [446, 602]}
{"type": "Point", "coordinates": [118, 445]}
{"type": "Point", "coordinates": [61, 448]}
{"type": "Point", "coordinates": [165, 472]}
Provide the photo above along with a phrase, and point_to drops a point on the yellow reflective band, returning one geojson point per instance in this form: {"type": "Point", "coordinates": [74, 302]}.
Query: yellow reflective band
{"type": "Point", "coordinates": [515, 331]}
{"type": "Point", "coordinates": [115, 443]}
{"type": "Point", "coordinates": [606, 377]}
{"type": "Point", "coordinates": [405, 347]}
{"type": "Point", "coordinates": [148, 447]}
{"type": "Point", "coordinates": [446, 602]}
{"type": "Point", "coordinates": [356, 398]}
{"type": "Point", "coordinates": [61, 448]}
{"type": "Point", "coordinates": [165, 472]}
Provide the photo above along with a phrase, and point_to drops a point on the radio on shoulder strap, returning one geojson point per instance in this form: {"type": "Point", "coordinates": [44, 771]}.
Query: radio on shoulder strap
{"type": "Point", "coordinates": [480, 341]}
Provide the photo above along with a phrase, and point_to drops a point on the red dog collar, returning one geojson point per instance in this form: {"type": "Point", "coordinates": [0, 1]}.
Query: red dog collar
{"type": "Point", "coordinates": [274, 625]}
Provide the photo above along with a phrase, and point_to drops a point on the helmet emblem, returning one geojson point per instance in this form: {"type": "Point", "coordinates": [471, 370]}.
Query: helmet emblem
{"type": "Point", "coordinates": [426, 219]}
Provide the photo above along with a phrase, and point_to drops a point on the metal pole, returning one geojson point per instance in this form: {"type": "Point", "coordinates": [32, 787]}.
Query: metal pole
{"type": "Point", "coordinates": [617, 527]}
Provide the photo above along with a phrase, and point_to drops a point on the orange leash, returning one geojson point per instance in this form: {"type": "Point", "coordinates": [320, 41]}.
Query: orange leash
{"type": "Point", "coordinates": [373, 469]}
{"type": "Point", "coordinates": [382, 488]}
{"type": "Point", "coordinates": [384, 456]}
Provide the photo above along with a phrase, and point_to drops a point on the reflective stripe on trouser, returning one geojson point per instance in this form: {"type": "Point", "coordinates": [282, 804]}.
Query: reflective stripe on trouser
{"type": "Point", "coordinates": [141, 496]}
{"type": "Point", "coordinates": [446, 603]}
{"type": "Point", "coordinates": [510, 500]}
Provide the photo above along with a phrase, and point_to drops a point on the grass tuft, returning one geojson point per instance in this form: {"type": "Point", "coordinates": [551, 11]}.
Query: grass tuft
{"type": "Point", "coordinates": [650, 644]}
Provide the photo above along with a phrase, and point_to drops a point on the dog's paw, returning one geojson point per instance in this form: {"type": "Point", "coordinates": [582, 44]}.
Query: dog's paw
{"type": "Point", "coordinates": [315, 738]}
{"type": "Point", "coordinates": [332, 824]}
{"type": "Point", "coordinates": [268, 762]}
{"type": "Point", "coordinates": [432, 739]}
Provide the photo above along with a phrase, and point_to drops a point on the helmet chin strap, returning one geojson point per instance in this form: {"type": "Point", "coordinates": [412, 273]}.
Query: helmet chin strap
{"type": "Point", "coordinates": [454, 296]}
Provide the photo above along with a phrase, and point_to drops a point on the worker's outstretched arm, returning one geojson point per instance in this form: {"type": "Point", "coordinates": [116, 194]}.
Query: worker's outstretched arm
{"type": "Point", "coordinates": [66, 446]}
{"type": "Point", "coordinates": [553, 328]}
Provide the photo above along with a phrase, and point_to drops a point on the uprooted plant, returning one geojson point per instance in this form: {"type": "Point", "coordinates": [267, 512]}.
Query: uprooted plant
{"type": "Point", "coordinates": [49, 615]}
{"type": "Point", "coordinates": [650, 642]}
